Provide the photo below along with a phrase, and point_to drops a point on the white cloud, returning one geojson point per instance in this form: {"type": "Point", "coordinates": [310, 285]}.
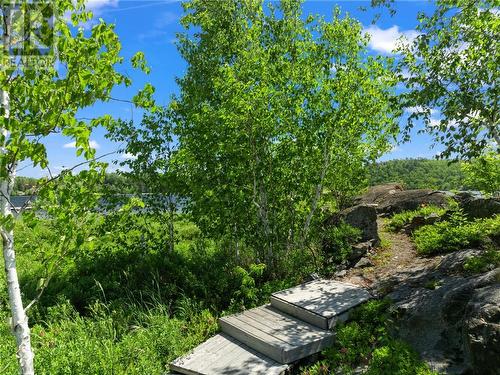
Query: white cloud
{"type": "Point", "coordinates": [434, 122]}
{"type": "Point", "coordinates": [129, 156]}
{"type": "Point", "coordinates": [166, 19]}
{"type": "Point", "coordinates": [152, 34]}
{"type": "Point", "coordinates": [92, 144]}
{"type": "Point", "coordinates": [394, 148]}
{"type": "Point", "coordinates": [385, 41]}
{"type": "Point", "coordinates": [419, 109]}
{"type": "Point", "coordinates": [96, 5]}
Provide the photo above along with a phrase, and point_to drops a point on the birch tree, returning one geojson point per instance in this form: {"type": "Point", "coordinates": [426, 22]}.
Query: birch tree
{"type": "Point", "coordinates": [149, 150]}
{"type": "Point", "coordinates": [452, 68]}
{"type": "Point", "coordinates": [50, 69]}
{"type": "Point", "coordinates": [273, 110]}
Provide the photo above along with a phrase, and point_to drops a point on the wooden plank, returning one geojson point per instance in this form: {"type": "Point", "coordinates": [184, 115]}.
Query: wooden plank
{"type": "Point", "coordinates": [320, 302]}
{"type": "Point", "coordinates": [300, 313]}
{"type": "Point", "coordinates": [277, 321]}
{"type": "Point", "coordinates": [277, 335]}
{"type": "Point", "coordinates": [223, 355]}
{"type": "Point", "coordinates": [253, 338]}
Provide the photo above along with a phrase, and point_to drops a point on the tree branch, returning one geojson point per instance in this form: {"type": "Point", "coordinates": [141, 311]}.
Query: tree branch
{"type": "Point", "coordinates": [53, 178]}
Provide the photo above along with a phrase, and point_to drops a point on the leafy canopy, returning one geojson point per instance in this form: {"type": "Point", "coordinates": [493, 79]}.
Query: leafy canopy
{"type": "Point", "coordinates": [272, 110]}
{"type": "Point", "coordinates": [453, 67]}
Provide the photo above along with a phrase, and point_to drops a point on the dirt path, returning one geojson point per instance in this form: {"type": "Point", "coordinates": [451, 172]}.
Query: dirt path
{"type": "Point", "coordinates": [396, 255]}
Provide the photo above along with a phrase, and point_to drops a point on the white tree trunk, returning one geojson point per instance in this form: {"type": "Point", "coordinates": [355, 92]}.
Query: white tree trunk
{"type": "Point", "coordinates": [20, 326]}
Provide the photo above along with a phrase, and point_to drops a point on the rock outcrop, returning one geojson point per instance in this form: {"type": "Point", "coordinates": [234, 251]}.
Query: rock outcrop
{"type": "Point", "coordinates": [363, 217]}
{"type": "Point", "coordinates": [453, 321]}
{"type": "Point", "coordinates": [391, 198]}
{"type": "Point", "coordinates": [476, 208]}
{"type": "Point", "coordinates": [378, 194]}
{"type": "Point", "coordinates": [409, 200]}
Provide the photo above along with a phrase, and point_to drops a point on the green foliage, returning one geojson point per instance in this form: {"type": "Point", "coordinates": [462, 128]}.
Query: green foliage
{"type": "Point", "coordinates": [452, 67]}
{"type": "Point", "coordinates": [488, 259]}
{"type": "Point", "coordinates": [79, 74]}
{"type": "Point", "coordinates": [455, 234]}
{"type": "Point", "coordinates": [484, 173]}
{"type": "Point", "coordinates": [248, 292]}
{"type": "Point", "coordinates": [419, 174]}
{"type": "Point", "coordinates": [398, 221]}
{"type": "Point", "coordinates": [397, 358]}
{"type": "Point", "coordinates": [125, 340]}
{"type": "Point", "coordinates": [365, 340]}
{"type": "Point", "coordinates": [40, 96]}
{"type": "Point", "coordinates": [118, 183]}
{"type": "Point", "coordinates": [340, 239]}
{"type": "Point", "coordinates": [122, 258]}
{"type": "Point", "coordinates": [151, 149]}
{"type": "Point", "coordinates": [121, 304]}
{"type": "Point", "coordinates": [24, 185]}
{"type": "Point", "coordinates": [274, 108]}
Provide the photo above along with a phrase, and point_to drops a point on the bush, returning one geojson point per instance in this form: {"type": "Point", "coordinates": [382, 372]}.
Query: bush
{"type": "Point", "coordinates": [484, 173]}
{"type": "Point", "coordinates": [340, 240]}
{"type": "Point", "coordinates": [455, 234]}
{"type": "Point", "coordinates": [123, 303]}
{"type": "Point", "coordinates": [398, 221]}
{"type": "Point", "coordinates": [124, 341]}
{"type": "Point", "coordinates": [483, 262]}
{"type": "Point", "coordinates": [396, 358]}
{"type": "Point", "coordinates": [365, 340]}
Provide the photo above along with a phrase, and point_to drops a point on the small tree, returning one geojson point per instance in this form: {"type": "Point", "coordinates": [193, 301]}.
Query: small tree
{"type": "Point", "coordinates": [77, 69]}
{"type": "Point", "coordinates": [149, 149]}
{"type": "Point", "coordinates": [453, 68]}
{"type": "Point", "coordinates": [273, 109]}
{"type": "Point", "coordinates": [483, 173]}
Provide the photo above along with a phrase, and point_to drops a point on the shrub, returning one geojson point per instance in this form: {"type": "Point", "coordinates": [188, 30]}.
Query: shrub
{"type": "Point", "coordinates": [455, 234]}
{"type": "Point", "coordinates": [340, 240]}
{"type": "Point", "coordinates": [365, 340]}
{"type": "Point", "coordinates": [130, 340]}
{"type": "Point", "coordinates": [398, 221]}
{"type": "Point", "coordinates": [396, 358]}
{"type": "Point", "coordinates": [484, 261]}
{"type": "Point", "coordinates": [484, 173]}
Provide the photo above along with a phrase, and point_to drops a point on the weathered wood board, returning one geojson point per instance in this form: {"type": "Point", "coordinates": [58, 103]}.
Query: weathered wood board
{"type": "Point", "coordinates": [275, 334]}
{"type": "Point", "coordinates": [320, 302]}
{"type": "Point", "coordinates": [224, 355]}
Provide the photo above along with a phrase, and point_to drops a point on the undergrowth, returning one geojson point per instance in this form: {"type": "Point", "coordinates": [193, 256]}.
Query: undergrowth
{"type": "Point", "coordinates": [398, 221]}
{"type": "Point", "coordinates": [365, 341]}
{"type": "Point", "coordinates": [126, 304]}
{"type": "Point", "coordinates": [488, 259]}
{"type": "Point", "coordinates": [456, 233]}
{"type": "Point", "coordinates": [128, 340]}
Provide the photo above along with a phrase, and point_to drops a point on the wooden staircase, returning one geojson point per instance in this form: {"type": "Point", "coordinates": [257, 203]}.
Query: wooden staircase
{"type": "Point", "coordinates": [267, 339]}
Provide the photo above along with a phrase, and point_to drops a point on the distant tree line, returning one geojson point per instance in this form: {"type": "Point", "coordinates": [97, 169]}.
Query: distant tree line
{"type": "Point", "coordinates": [419, 174]}
{"type": "Point", "coordinates": [411, 173]}
{"type": "Point", "coordinates": [113, 182]}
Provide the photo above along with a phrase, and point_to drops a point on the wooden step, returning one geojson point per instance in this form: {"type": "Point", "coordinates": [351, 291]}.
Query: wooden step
{"type": "Point", "coordinates": [223, 355]}
{"type": "Point", "coordinates": [321, 302]}
{"type": "Point", "coordinates": [275, 334]}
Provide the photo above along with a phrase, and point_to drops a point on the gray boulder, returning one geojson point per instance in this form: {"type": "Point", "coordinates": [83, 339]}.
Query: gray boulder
{"type": "Point", "coordinates": [391, 198]}
{"type": "Point", "coordinates": [363, 217]}
{"type": "Point", "coordinates": [363, 262]}
{"type": "Point", "coordinates": [452, 321]}
{"type": "Point", "coordinates": [409, 200]}
{"type": "Point", "coordinates": [378, 194]}
{"type": "Point", "coordinates": [482, 330]}
{"type": "Point", "coordinates": [476, 208]}
{"type": "Point", "coordinates": [359, 250]}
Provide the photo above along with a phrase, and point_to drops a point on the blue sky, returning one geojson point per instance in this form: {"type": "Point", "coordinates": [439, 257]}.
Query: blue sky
{"type": "Point", "coordinates": [151, 25]}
